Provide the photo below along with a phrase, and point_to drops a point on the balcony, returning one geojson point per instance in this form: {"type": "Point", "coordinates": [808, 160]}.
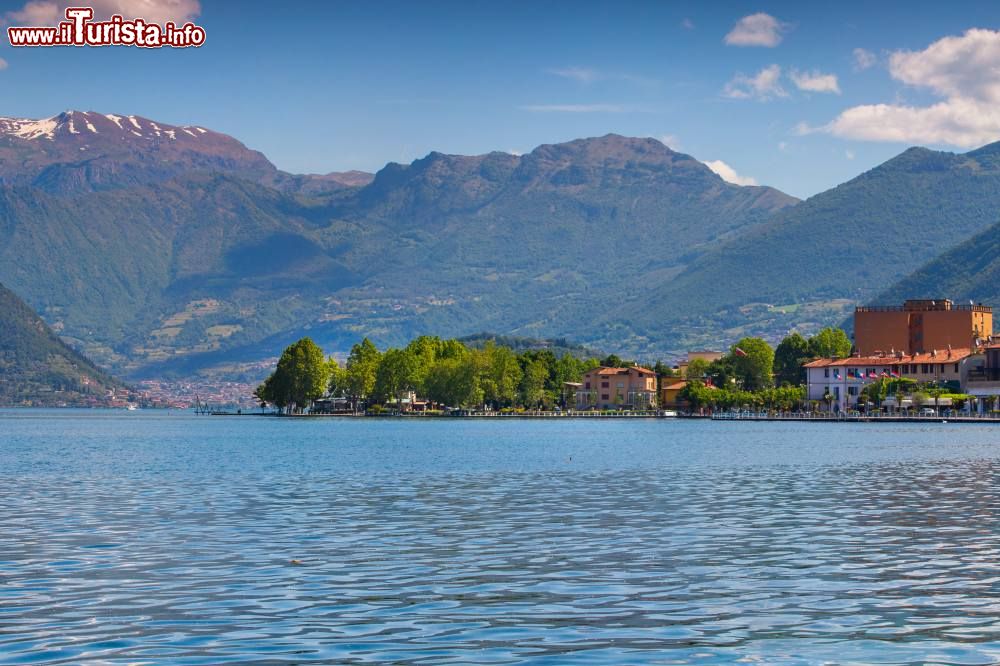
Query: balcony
{"type": "Point", "coordinates": [984, 375]}
{"type": "Point", "coordinates": [983, 382]}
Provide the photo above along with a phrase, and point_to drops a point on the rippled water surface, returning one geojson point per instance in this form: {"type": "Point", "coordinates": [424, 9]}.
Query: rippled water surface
{"type": "Point", "coordinates": [133, 538]}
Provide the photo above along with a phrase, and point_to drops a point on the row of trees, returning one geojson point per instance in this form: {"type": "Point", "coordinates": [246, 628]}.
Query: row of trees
{"type": "Point", "coordinates": [752, 365]}
{"type": "Point", "coordinates": [450, 373]}
{"type": "Point", "coordinates": [925, 394]}
{"type": "Point", "coordinates": [785, 398]}
{"type": "Point", "coordinates": [443, 371]}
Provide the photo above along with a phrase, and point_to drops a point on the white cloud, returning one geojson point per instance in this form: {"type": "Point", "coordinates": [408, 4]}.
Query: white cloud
{"type": "Point", "coordinates": [587, 75]}
{"type": "Point", "coordinates": [758, 29]}
{"type": "Point", "coordinates": [783, 146]}
{"type": "Point", "coordinates": [849, 154]}
{"type": "Point", "coordinates": [3, 64]}
{"type": "Point", "coordinates": [669, 140]}
{"type": "Point", "coordinates": [36, 12]}
{"type": "Point", "coordinates": [578, 108]}
{"type": "Point", "coordinates": [728, 173]}
{"type": "Point", "coordinates": [863, 59]}
{"type": "Point", "coordinates": [803, 128]}
{"type": "Point", "coordinates": [815, 81]}
{"type": "Point", "coordinates": [581, 74]}
{"type": "Point", "coordinates": [687, 24]}
{"type": "Point", "coordinates": [963, 70]}
{"type": "Point", "coordinates": [50, 12]}
{"type": "Point", "coordinates": [764, 85]}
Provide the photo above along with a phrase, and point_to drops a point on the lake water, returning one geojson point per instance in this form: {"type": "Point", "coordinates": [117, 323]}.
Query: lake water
{"type": "Point", "coordinates": [133, 538]}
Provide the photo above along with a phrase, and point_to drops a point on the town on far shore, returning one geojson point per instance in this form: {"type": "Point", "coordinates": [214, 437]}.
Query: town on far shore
{"type": "Point", "coordinates": [921, 358]}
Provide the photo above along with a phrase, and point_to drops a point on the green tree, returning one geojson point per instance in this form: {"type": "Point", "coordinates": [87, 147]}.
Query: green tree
{"type": "Point", "coordinates": [722, 372]}
{"type": "Point", "coordinates": [362, 367]}
{"type": "Point", "coordinates": [697, 368]}
{"type": "Point", "coordinates": [337, 384]}
{"type": "Point", "coordinates": [789, 357]}
{"type": "Point", "coordinates": [533, 383]}
{"type": "Point", "coordinates": [612, 361]}
{"type": "Point", "coordinates": [395, 374]}
{"type": "Point", "coordinates": [753, 363]}
{"type": "Point", "coordinates": [830, 342]}
{"type": "Point", "coordinates": [300, 378]}
{"type": "Point", "coordinates": [500, 374]}
{"type": "Point", "coordinates": [876, 392]}
{"type": "Point", "coordinates": [695, 394]}
{"type": "Point", "coordinates": [455, 381]}
{"type": "Point", "coordinates": [424, 350]}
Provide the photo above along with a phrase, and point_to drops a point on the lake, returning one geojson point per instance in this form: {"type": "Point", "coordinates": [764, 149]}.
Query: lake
{"type": "Point", "coordinates": [164, 537]}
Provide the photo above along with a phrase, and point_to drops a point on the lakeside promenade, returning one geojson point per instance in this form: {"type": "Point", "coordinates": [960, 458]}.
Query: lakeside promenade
{"type": "Point", "coordinates": [819, 417]}
{"type": "Point", "coordinates": [813, 417]}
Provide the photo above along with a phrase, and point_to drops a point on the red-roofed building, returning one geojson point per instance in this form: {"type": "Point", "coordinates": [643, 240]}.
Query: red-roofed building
{"type": "Point", "coordinates": [611, 388]}
{"type": "Point", "coordinates": [843, 378]}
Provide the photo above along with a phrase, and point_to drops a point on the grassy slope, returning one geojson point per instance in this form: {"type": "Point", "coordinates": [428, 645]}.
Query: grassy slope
{"type": "Point", "coordinates": [34, 362]}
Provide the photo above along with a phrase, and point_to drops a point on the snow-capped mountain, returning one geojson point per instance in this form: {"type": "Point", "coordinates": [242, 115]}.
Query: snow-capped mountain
{"type": "Point", "coordinates": [87, 123]}
{"type": "Point", "coordinates": [79, 151]}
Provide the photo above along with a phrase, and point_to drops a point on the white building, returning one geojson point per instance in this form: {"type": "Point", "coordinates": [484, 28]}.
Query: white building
{"type": "Point", "coordinates": [843, 378]}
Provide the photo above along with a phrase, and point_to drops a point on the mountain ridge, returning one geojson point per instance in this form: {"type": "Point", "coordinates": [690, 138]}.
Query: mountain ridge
{"type": "Point", "coordinates": [839, 247]}
{"type": "Point", "coordinates": [38, 368]}
{"type": "Point", "coordinates": [616, 242]}
{"type": "Point", "coordinates": [195, 261]}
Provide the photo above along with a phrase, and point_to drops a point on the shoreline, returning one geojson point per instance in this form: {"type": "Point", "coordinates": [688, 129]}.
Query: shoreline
{"type": "Point", "coordinates": [725, 417]}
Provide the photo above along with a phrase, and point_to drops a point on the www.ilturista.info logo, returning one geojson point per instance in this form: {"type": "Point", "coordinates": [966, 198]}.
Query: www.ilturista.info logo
{"type": "Point", "coordinates": [80, 30]}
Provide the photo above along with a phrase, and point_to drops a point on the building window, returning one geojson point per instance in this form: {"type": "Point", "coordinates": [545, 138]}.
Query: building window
{"type": "Point", "coordinates": [826, 372]}
{"type": "Point", "coordinates": [604, 396]}
{"type": "Point", "coordinates": [604, 385]}
{"type": "Point", "coordinates": [621, 384]}
{"type": "Point", "coordinates": [852, 390]}
{"type": "Point", "coordinates": [587, 385]}
{"type": "Point", "coordinates": [956, 367]}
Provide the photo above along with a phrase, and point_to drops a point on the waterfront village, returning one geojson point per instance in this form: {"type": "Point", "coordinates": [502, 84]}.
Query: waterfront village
{"type": "Point", "coordinates": [921, 358]}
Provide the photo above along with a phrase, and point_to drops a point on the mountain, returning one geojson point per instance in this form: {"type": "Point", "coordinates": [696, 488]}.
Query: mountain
{"type": "Point", "coordinates": [166, 252]}
{"type": "Point", "coordinates": [970, 271]}
{"type": "Point", "coordinates": [808, 265]}
{"type": "Point", "coordinates": [540, 244]}
{"type": "Point", "coordinates": [558, 346]}
{"type": "Point", "coordinates": [37, 367]}
{"type": "Point", "coordinates": [82, 151]}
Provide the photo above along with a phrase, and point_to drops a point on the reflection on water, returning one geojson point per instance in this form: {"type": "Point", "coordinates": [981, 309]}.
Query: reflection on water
{"type": "Point", "coordinates": [159, 539]}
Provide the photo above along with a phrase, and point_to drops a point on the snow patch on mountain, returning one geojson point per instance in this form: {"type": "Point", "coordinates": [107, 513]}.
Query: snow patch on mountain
{"type": "Point", "coordinates": [73, 122]}
{"type": "Point", "coordinates": [27, 128]}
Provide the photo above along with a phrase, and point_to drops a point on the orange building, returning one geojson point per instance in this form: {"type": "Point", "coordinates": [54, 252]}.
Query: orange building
{"type": "Point", "coordinates": [610, 388]}
{"type": "Point", "coordinates": [920, 326]}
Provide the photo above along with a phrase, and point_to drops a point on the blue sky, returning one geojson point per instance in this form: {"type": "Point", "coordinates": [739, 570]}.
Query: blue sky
{"type": "Point", "coordinates": [331, 86]}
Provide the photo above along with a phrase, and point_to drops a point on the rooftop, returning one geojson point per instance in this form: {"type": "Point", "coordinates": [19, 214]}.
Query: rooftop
{"type": "Point", "coordinates": [937, 356]}
{"type": "Point", "coordinates": [622, 371]}
{"type": "Point", "coordinates": [925, 305]}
